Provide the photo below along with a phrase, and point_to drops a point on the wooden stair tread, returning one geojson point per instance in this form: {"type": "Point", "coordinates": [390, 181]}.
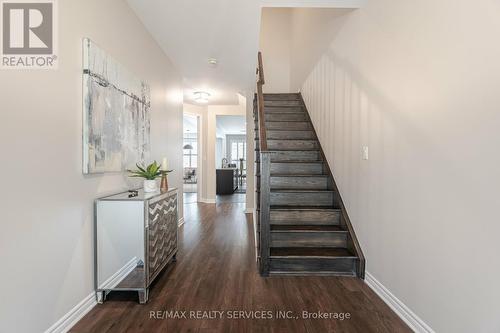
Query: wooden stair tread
{"type": "Point", "coordinates": [278, 207]}
{"type": "Point", "coordinates": [292, 190]}
{"type": "Point", "coordinates": [286, 129]}
{"type": "Point", "coordinates": [294, 150]}
{"type": "Point", "coordinates": [301, 252]}
{"type": "Point", "coordinates": [287, 121]}
{"type": "Point", "coordinates": [312, 228]}
{"type": "Point", "coordinates": [291, 139]}
{"type": "Point", "coordinates": [298, 149]}
{"type": "Point", "coordinates": [298, 161]}
{"type": "Point", "coordinates": [302, 191]}
{"type": "Point", "coordinates": [274, 272]}
{"type": "Point", "coordinates": [282, 95]}
{"type": "Point", "coordinates": [294, 108]}
{"type": "Point", "coordinates": [282, 111]}
{"type": "Point", "coordinates": [303, 208]}
{"type": "Point", "coordinates": [297, 175]}
{"type": "Point", "coordinates": [280, 151]}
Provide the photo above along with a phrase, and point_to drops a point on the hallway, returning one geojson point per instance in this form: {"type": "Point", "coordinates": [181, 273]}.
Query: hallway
{"type": "Point", "coordinates": [216, 271]}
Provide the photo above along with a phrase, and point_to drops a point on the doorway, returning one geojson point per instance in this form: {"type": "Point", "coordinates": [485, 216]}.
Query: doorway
{"type": "Point", "coordinates": [231, 158]}
{"type": "Point", "coordinates": [191, 167]}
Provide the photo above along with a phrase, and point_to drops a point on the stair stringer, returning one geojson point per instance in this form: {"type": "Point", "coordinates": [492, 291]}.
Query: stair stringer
{"type": "Point", "coordinates": [345, 221]}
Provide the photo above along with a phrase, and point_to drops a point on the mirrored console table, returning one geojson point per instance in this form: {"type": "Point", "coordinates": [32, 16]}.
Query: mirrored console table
{"type": "Point", "coordinates": [135, 239]}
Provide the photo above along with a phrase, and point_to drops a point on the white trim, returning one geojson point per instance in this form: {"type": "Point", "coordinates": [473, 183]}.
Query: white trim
{"type": "Point", "coordinates": [408, 316]}
{"type": "Point", "coordinates": [208, 201]}
{"type": "Point", "coordinates": [114, 279]}
{"type": "Point", "coordinates": [314, 3]}
{"type": "Point", "coordinates": [67, 321]}
{"type": "Point", "coordinates": [181, 221]}
{"type": "Point", "coordinates": [249, 211]}
{"type": "Point", "coordinates": [256, 241]}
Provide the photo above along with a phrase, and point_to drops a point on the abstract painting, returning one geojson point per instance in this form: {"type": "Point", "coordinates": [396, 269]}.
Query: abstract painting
{"type": "Point", "coordinates": [116, 114]}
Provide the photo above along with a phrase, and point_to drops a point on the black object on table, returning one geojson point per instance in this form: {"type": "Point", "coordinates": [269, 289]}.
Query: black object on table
{"type": "Point", "coordinates": [227, 180]}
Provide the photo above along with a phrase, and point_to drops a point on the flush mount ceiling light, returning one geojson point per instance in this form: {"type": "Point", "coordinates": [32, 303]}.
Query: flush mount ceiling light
{"type": "Point", "coordinates": [201, 96]}
{"type": "Point", "coordinates": [212, 62]}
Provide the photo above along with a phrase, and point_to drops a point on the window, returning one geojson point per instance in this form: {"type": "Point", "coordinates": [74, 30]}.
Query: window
{"type": "Point", "coordinates": [191, 155]}
{"type": "Point", "coordinates": [238, 150]}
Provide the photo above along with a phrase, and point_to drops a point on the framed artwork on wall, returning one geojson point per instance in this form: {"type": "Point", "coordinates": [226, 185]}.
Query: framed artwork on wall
{"type": "Point", "coordinates": [116, 114]}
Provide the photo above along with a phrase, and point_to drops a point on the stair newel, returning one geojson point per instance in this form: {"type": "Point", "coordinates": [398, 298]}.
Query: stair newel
{"type": "Point", "coordinates": [265, 215]}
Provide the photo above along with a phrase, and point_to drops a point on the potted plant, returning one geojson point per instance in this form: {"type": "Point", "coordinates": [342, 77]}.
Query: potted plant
{"type": "Point", "coordinates": [149, 173]}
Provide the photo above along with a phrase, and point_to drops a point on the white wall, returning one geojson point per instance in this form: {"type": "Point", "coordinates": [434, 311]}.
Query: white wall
{"type": "Point", "coordinates": [418, 83]}
{"type": "Point", "coordinates": [311, 31]}
{"type": "Point", "coordinates": [291, 42]}
{"type": "Point", "coordinates": [250, 192]}
{"type": "Point", "coordinates": [46, 245]}
{"type": "Point", "coordinates": [275, 47]}
{"type": "Point", "coordinates": [219, 153]}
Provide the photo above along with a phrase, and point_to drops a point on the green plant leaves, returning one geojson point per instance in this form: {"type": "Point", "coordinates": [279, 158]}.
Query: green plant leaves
{"type": "Point", "coordinates": [139, 167]}
{"type": "Point", "coordinates": [151, 172]}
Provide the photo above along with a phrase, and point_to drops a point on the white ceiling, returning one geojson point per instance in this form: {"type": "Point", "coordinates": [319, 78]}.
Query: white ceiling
{"type": "Point", "coordinates": [192, 31]}
{"type": "Point", "coordinates": [230, 125]}
{"type": "Point", "coordinates": [314, 3]}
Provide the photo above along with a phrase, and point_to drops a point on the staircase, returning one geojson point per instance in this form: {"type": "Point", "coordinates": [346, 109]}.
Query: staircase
{"type": "Point", "coordinates": [302, 225]}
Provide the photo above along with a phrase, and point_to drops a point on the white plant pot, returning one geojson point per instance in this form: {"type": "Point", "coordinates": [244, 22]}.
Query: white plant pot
{"type": "Point", "coordinates": [150, 186]}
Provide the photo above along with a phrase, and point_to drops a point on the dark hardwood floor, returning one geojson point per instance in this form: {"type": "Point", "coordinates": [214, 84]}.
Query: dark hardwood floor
{"type": "Point", "coordinates": [231, 198]}
{"type": "Point", "coordinates": [216, 271]}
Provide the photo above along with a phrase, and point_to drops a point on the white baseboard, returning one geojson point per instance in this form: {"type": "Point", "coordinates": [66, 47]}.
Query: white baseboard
{"type": "Point", "coordinates": [208, 201]}
{"type": "Point", "coordinates": [181, 221]}
{"type": "Point", "coordinates": [67, 321]}
{"type": "Point", "coordinates": [114, 279]}
{"type": "Point", "coordinates": [256, 241]}
{"type": "Point", "coordinates": [408, 316]}
{"type": "Point", "coordinates": [64, 324]}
